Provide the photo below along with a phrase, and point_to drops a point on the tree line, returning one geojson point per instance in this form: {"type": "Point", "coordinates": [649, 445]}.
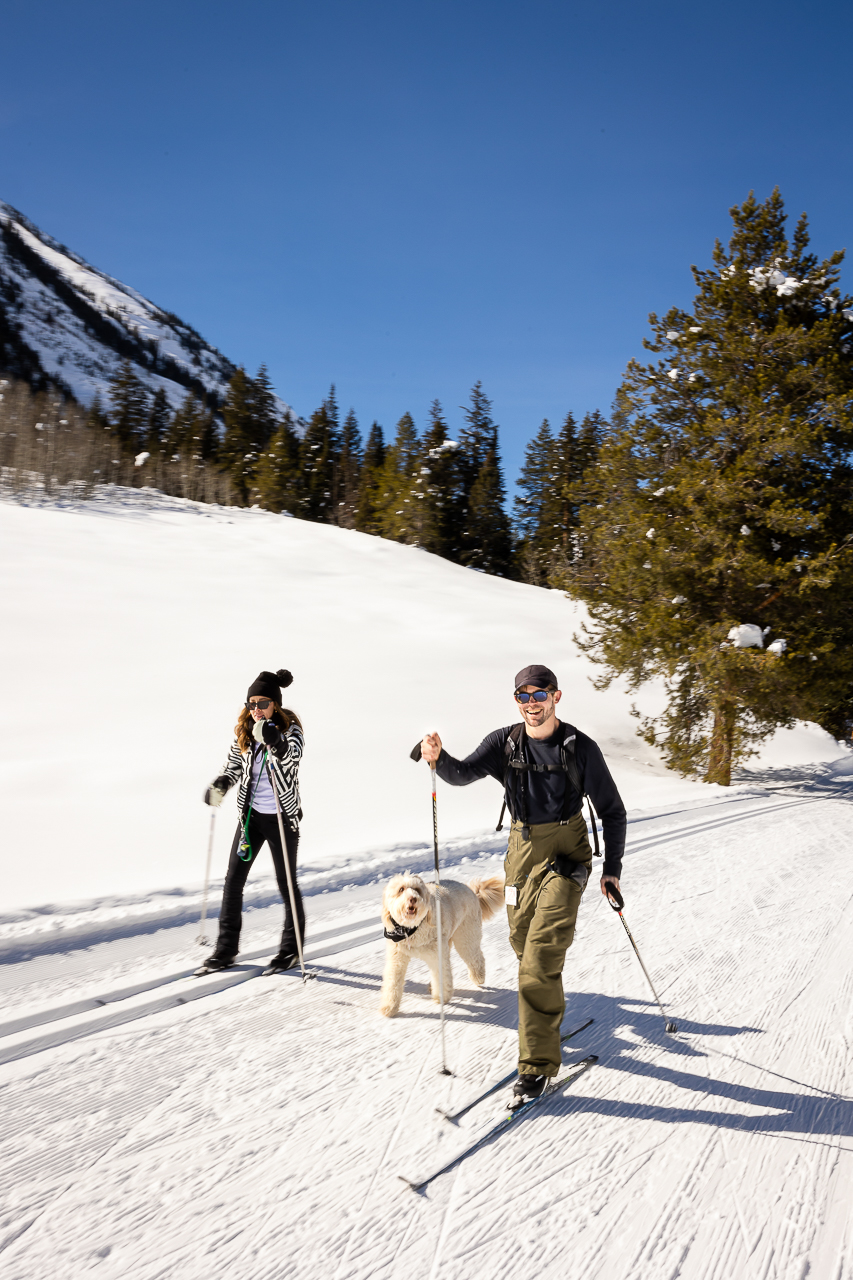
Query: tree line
{"type": "Point", "coordinates": [707, 525]}
{"type": "Point", "coordinates": [421, 488]}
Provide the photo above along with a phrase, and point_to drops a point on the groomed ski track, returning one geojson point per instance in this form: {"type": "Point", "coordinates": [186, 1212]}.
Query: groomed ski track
{"type": "Point", "coordinates": [257, 1131]}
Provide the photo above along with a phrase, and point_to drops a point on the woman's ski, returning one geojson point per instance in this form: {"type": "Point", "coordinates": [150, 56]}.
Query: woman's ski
{"type": "Point", "coordinates": [453, 1113]}
{"type": "Point", "coordinates": [481, 1134]}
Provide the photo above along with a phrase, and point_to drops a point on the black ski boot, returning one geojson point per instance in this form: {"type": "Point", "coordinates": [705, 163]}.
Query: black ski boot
{"type": "Point", "coordinates": [525, 1088]}
{"type": "Point", "coordinates": [281, 963]}
{"type": "Point", "coordinates": [213, 964]}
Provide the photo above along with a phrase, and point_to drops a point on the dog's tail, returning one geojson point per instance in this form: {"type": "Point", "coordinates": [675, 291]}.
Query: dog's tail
{"type": "Point", "coordinates": [490, 894]}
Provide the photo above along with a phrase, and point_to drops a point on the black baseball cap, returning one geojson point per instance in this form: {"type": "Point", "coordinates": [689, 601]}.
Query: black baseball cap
{"type": "Point", "coordinates": [538, 675]}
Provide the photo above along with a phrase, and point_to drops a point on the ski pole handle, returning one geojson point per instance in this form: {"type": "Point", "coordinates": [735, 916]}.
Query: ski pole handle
{"type": "Point", "coordinates": [415, 753]}
{"type": "Point", "coordinates": [614, 897]}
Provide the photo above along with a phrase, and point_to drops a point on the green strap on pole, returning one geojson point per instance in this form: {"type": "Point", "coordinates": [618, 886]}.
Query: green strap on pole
{"type": "Point", "coordinates": [246, 843]}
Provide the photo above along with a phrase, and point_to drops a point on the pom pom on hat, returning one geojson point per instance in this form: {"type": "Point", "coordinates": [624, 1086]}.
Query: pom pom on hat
{"type": "Point", "coordinates": [284, 677]}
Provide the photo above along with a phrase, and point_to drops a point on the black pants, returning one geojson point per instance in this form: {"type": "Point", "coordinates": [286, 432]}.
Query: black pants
{"type": "Point", "coordinates": [263, 828]}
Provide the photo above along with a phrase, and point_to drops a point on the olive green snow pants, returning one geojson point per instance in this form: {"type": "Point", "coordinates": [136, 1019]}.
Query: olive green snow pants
{"type": "Point", "coordinates": [541, 929]}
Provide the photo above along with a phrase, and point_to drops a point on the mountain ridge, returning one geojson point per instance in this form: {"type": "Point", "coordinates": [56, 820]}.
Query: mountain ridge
{"type": "Point", "coordinates": [66, 323]}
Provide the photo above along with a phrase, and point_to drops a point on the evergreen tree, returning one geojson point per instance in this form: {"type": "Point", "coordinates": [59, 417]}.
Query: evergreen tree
{"type": "Point", "coordinates": [438, 484]}
{"type": "Point", "coordinates": [398, 488]}
{"type": "Point", "coordinates": [96, 418]}
{"type": "Point", "coordinates": [191, 433]}
{"type": "Point", "coordinates": [319, 462]}
{"type": "Point", "coordinates": [249, 417]}
{"type": "Point", "coordinates": [590, 436]}
{"type": "Point", "coordinates": [278, 478]}
{"type": "Point", "coordinates": [367, 517]}
{"type": "Point", "coordinates": [486, 541]}
{"type": "Point", "coordinates": [129, 407]}
{"type": "Point", "coordinates": [488, 535]}
{"type": "Point", "coordinates": [725, 496]}
{"type": "Point", "coordinates": [477, 437]}
{"type": "Point", "coordinates": [158, 423]}
{"type": "Point", "coordinates": [349, 470]}
{"type": "Point", "coordinates": [537, 508]}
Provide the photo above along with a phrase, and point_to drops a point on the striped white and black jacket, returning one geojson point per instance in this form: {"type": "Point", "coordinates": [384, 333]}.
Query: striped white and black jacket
{"type": "Point", "coordinates": [284, 766]}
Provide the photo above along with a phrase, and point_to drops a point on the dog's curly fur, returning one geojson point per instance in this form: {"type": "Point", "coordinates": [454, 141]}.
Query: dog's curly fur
{"type": "Point", "coordinates": [409, 900]}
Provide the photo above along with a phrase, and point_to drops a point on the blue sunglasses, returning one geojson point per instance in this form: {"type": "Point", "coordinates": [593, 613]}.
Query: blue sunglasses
{"type": "Point", "coordinates": [539, 695]}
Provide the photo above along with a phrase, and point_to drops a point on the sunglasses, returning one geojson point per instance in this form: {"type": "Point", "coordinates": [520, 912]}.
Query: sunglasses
{"type": "Point", "coordinates": [539, 695]}
{"type": "Point", "coordinates": [259, 704]}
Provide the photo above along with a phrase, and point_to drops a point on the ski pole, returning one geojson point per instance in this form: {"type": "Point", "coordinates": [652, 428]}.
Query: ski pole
{"type": "Point", "coordinates": [416, 755]}
{"type": "Point", "coordinates": [290, 889]}
{"type": "Point", "coordinates": [202, 939]}
{"type": "Point", "coordinates": [617, 902]}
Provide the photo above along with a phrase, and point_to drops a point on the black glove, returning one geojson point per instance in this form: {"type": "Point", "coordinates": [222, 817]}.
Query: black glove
{"type": "Point", "coordinates": [215, 793]}
{"type": "Point", "coordinates": [267, 733]}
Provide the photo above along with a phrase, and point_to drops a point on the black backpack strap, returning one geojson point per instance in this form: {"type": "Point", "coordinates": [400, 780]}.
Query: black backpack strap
{"type": "Point", "coordinates": [513, 738]}
{"type": "Point", "coordinates": [570, 764]}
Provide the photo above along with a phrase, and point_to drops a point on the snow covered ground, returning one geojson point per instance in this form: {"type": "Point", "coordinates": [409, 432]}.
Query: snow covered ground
{"type": "Point", "coordinates": [153, 1125]}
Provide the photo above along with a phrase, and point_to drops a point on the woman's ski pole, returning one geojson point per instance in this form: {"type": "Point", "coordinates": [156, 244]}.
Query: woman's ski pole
{"type": "Point", "coordinates": [617, 902]}
{"type": "Point", "coordinates": [202, 939]}
{"type": "Point", "coordinates": [416, 755]}
{"type": "Point", "coordinates": [296, 929]}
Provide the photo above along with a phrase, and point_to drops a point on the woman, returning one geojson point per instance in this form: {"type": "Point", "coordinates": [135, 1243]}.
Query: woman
{"type": "Point", "coordinates": [265, 753]}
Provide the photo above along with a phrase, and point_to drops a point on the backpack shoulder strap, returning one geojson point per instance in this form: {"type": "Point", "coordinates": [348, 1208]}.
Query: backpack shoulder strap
{"type": "Point", "coordinates": [513, 739]}
{"type": "Point", "coordinates": [511, 746]}
{"type": "Point", "coordinates": [568, 758]}
{"type": "Point", "coordinates": [570, 764]}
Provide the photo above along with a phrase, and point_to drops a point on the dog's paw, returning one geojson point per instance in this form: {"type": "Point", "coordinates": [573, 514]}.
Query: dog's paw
{"type": "Point", "coordinates": [388, 1010]}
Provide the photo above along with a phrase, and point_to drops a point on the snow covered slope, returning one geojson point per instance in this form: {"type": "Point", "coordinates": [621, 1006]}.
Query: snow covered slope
{"type": "Point", "coordinates": [133, 626]}
{"type": "Point", "coordinates": [67, 318]}
{"type": "Point", "coordinates": [155, 1125]}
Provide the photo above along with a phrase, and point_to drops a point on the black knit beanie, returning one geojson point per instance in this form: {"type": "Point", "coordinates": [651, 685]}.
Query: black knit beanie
{"type": "Point", "coordinates": [269, 684]}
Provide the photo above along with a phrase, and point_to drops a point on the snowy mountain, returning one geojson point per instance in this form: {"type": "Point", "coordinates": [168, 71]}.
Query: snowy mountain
{"type": "Point", "coordinates": [65, 321]}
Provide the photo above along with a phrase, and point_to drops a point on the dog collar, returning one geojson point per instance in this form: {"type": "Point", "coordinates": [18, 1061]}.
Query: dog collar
{"type": "Point", "coordinates": [400, 931]}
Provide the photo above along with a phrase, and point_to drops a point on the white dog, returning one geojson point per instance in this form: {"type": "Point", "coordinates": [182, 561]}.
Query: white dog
{"type": "Point", "coordinates": [408, 913]}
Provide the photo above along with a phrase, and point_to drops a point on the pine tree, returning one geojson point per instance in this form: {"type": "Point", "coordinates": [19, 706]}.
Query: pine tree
{"type": "Point", "coordinates": [486, 541]}
{"type": "Point", "coordinates": [249, 417]}
{"type": "Point", "coordinates": [591, 434]}
{"type": "Point", "coordinates": [477, 437]}
{"type": "Point", "coordinates": [398, 487]}
{"type": "Point", "coordinates": [158, 423]}
{"type": "Point", "coordinates": [349, 470]}
{"type": "Point", "coordinates": [278, 477]}
{"type": "Point", "coordinates": [319, 462]}
{"type": "Point", "coordinates": [575, 457]}
{"type": "Point", "coordinates": [129, 407]}
{"type": "Point", "coordinates": [724, 499]}
{"type": "Point", "coordinates": [488, 533]}
{"type": "Point", "coordinates": [537, 508]}
{"type": "Point", "coordinates": [438, 485]}
{"type": "Point", "coordinates": [367, 517]}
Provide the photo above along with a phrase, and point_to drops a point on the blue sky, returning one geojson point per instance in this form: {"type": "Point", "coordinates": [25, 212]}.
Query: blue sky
{"type": "Point", "coordinates": [403, 198]}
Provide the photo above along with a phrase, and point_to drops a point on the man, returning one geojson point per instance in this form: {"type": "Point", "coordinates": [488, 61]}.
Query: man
{"type": "Point", "coordinates": [545, 767]}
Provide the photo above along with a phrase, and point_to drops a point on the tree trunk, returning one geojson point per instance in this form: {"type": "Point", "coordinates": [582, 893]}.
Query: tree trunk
{"type": "Point", "coordinates": [722, 742]}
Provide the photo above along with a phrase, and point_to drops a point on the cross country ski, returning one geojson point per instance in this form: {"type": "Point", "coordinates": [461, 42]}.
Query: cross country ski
{"type": "Point", "coordinates": [462, 1108]}
{"type": "Point", "coordinates": [490, 1130]}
